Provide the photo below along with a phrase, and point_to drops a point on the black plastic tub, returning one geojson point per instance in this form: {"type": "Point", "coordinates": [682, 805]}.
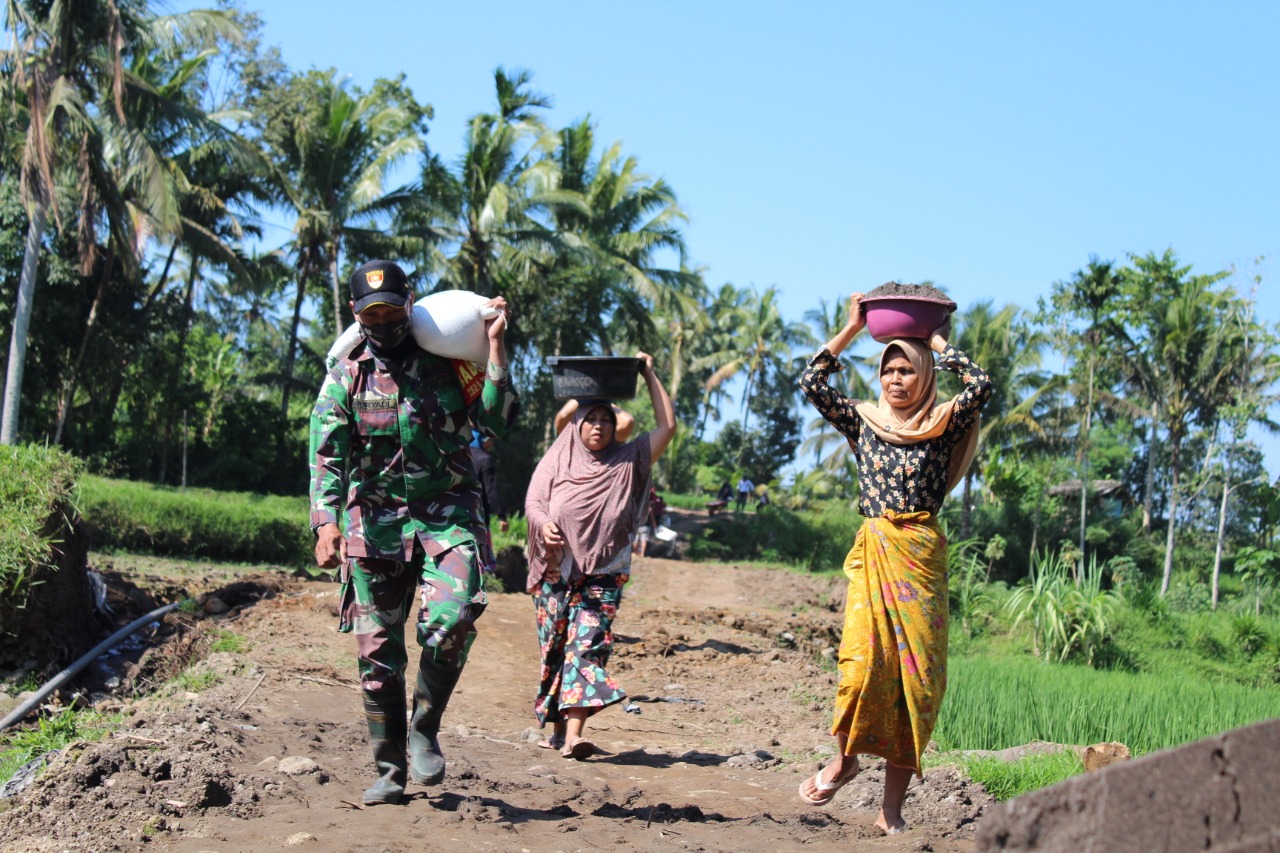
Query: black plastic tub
{"type": "Point", "coordinates": [593, 377]}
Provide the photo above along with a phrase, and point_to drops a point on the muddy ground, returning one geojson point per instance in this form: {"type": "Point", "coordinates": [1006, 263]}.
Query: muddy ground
{"type": "Point", "coordinates": [274, 755]}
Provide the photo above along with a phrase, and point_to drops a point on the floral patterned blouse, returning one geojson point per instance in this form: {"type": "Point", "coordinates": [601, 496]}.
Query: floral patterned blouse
{"type": "Point", "coordinates": [903, 478]}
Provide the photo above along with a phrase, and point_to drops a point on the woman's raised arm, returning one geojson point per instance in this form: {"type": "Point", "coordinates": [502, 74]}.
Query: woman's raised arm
{"type": "Point", "coordinates": [663, 412]}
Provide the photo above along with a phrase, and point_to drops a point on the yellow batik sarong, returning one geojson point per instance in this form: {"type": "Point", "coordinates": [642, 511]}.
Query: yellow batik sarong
{"type": "Point", "coordinates": [893, 652]}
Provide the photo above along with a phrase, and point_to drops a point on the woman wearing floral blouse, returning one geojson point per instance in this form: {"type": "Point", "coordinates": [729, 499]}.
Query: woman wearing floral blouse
{"type": "Point", "coordinates": [893, 652]}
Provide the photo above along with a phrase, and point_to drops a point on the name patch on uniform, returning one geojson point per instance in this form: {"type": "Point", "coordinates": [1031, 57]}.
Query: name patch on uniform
{"type": "Point", "coordinates": [371, 401]}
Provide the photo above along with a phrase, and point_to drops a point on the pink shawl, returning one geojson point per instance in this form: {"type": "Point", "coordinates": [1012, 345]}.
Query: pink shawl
{"type": "Point", "coordinates": [596, 499]}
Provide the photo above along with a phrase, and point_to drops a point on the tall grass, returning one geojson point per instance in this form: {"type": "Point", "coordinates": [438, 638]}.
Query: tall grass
{"type": "Point", "coordinates": [1066, 615]}
{"type": "Point", "coordinates": [203, 523]}
{"type": "Point", "coordinates": [34, 483]}
{"type": "Point", "coordinates": [998, 703]}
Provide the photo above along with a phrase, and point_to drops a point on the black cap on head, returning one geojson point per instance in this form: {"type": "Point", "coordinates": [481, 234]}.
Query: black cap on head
{"type": "Point", "coordinates": [378, 283]}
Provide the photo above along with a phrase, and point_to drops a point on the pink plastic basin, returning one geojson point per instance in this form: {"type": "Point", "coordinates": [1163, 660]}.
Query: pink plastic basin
{"type": "Point", "coordinates": [890, 317]}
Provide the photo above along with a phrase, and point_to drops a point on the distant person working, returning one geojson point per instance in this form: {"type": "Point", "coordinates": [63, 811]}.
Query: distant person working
{"type": "Point", "coordinates": [745, 488]}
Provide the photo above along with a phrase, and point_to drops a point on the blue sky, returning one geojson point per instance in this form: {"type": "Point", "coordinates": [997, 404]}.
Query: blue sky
{"type": "Point", "coordinates": [826, 147]}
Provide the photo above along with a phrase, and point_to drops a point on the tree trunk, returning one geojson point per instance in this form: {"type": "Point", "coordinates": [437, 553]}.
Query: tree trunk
{"type": "Point", "coordinates": [746, 413]}
{"type": "Point", "coordinates": [677, 365]}
{"type": "Point", "coordinates": [293, 342]}
{"type": "Point", "coordinates": [108, 412]}
{"type": "Point", "coordinates": [1173, 511]}
{"type": "Point", "coordinates": [21, 324]}
{"type": "Point", "coordinates": [1222, 527]}
{"type": "Point", "coordinates": [1148, 485]}
{"type": "Point", "coordinates": [1035, 529]}
{"type": "Point", "coordinates": [175, 378]}
{"type": "Point", "coordinates": [161, 283]}
{"type": "Point", "coordinates": [548, 428]}
{"type": "Point", "coordinates": [337, 289]}
{"type": "Point", "coordinates": [746, 406]}
{"type": "Point", "coordinates": [1084, 472]}
{"type": "Point", "coordinates": [68, 394]}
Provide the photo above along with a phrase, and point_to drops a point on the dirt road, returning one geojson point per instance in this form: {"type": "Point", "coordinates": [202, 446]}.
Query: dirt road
{"type": "Point", "coordinates": [274, 755]}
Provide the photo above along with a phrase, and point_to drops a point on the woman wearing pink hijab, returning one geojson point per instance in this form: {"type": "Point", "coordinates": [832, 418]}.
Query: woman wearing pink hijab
{"type": "Point", "coordinates": [588, 495]}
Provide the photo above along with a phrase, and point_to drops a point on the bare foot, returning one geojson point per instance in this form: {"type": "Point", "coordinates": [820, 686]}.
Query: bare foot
{"type": "Point", "coordinates": [893, 828]}
{"type": "Point", "coordinates": [556, 741]}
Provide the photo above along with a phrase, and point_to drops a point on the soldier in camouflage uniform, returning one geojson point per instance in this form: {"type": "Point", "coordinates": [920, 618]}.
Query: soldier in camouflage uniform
{"type": "Point", "coordinates": [390, 463]}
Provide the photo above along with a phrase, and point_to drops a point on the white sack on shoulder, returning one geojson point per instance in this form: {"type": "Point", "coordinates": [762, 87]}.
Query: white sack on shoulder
{"type": "Point", "coordinates": [449, 323]}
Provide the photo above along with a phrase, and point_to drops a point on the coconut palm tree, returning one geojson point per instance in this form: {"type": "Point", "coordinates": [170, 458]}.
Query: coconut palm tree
{"type": "Point", "coordinates": [487, 226]}
{"type": "Point", "coordinates": [723, 310]}
{"type": "Point", "coordinates": [762, 344]}
{"type": "Point", "coordinates": [1176, 356]}
{"type": "Point", "coordinates": [609, 243]}
{"type": "Point", "coordinates": [1009, 349]}
{"type": "Point", "coordinates": [505, 181]}
{"type": "Point", "coordinates": [1088, 293]}
{"type": "Point", "coordinates": [827, 320]}
{"type": "Point", "coordinates": [332, 157]}
{"type": "Point", "coordinates": [153, 166]}
{"type": "Point", "coordinates": [66, 73]}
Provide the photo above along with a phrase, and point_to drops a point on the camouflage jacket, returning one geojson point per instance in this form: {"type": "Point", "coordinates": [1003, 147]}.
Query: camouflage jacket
{"type": "Point", "coordinates": [397, 437]}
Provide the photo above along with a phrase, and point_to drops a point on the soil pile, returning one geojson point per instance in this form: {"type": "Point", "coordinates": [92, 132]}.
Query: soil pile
{"type": "Point", "coordinates": [917, 291]}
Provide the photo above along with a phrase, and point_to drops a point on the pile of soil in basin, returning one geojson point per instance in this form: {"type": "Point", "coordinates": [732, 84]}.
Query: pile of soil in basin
{"type": "Point", "coordinates": [916, 291]}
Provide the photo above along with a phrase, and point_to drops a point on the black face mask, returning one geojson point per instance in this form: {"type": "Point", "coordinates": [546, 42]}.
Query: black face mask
{"type": "Point", "coordinates": [386, 336]}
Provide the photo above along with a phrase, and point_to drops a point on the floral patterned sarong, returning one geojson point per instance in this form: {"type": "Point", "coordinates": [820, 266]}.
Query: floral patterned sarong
{"type": "Point", "coordinates": [575, 631]}
{"type": "Point", "coordinates": [893, 652]}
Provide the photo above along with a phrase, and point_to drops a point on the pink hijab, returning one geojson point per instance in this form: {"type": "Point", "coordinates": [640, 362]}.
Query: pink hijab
{"type": "Point", "coordinates": [596, 499]}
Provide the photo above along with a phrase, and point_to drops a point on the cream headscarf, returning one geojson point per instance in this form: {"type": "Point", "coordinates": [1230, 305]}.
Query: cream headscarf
{"type": "Point", "coordinates": [923, 419]}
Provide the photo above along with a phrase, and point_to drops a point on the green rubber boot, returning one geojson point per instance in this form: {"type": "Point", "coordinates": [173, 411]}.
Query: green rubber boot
{"type": "Point", "coordinates": [384, 711]}
{"type": "Point", "coordinates": [435, 686]}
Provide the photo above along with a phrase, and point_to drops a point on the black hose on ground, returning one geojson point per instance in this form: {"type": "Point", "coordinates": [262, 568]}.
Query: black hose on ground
{"type": "Point", "coordinates": [67, 674]}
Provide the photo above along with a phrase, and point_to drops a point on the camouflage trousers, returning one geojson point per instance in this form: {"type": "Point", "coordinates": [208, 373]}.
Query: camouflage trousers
{"type": "Point", "coordinates": [376, 597]}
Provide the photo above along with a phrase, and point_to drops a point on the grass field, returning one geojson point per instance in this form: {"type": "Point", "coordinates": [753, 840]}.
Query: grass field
{"type": "Point", "coordinates": [196, 523]}
{"type": "Point", "coordinates": [1003, 702]}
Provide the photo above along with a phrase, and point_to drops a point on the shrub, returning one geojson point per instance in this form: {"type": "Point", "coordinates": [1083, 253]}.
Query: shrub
{"type": "Point", "coordinates": [969, 592]}
{"type": "Point", "coordinates": [517, 534]}
{"type": "Point", "coordinates": [1249, 633]}
{"type": "Point", "coordinates": [816, 539]}
{"type": "Point", "coordinates": [1067, 616]}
